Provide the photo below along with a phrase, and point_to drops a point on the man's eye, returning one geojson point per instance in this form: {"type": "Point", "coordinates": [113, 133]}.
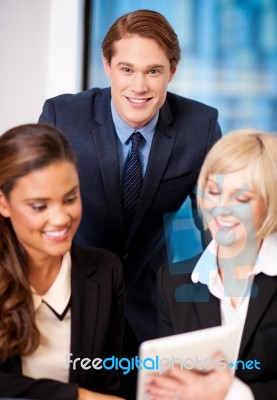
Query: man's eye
{"type": "Point", "coordinates": [126, 69]}
{"type": "Point", "coordinates": [153, 72]}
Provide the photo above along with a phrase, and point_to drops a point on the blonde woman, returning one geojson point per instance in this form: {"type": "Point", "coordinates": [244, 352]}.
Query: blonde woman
{"type": "Point", "coordinates": [235, 280]}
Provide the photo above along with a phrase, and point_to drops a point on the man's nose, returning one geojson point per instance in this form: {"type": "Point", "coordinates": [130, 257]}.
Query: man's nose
{"type": "Point", "coordinates": [139, 84]}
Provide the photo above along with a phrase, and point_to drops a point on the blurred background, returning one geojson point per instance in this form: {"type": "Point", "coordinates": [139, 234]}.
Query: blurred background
{"type": "Point", "coordinates": [229, 54]}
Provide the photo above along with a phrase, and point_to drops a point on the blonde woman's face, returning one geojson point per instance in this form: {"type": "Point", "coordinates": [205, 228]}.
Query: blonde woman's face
{"type": "Point", "coordinates": [45, 209]}
{"type": "Point", "coordinates": [232, 209]}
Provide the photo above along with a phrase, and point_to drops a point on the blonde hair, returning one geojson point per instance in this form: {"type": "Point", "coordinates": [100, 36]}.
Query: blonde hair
{"type": "Point", "coordinates": [256, 151]}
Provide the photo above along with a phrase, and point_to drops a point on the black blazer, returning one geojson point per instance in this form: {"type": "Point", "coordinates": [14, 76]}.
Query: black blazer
{"type": "Point", "coordinates": [97, 317]}
{"type": "Point", "coordinates": [185, 131]}
{"type": "Point", "coordinates": [259, 339]}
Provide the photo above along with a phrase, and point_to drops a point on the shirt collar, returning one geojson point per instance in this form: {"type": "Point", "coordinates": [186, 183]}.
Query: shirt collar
{"type": "Point", "coordinates": [124, 131]}
{"type": "Point", "coordinates": [206, 267]}
{"type": "Point", "coordinates": [58, 295]}
{"type": "Point", "coordinates": [266, 263]}
{"type": "Point", "coordinates": [206, 270]}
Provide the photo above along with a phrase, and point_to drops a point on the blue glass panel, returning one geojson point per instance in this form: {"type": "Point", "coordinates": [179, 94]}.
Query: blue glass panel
{"type": "Point", "coordinates": [229, 54]}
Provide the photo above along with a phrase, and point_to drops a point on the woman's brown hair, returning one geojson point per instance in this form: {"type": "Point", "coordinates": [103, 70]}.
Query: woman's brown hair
{"type": "Point", "coordinates": [145, 23]}
{"type": "Point", "coordinates": [22, 150]}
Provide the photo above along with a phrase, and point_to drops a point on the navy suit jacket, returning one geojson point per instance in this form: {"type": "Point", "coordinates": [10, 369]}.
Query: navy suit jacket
{"type": "Point", "coordinates": [97, 319]}
{"type": "Point", "coordinates": [185, 131]}
{"type": "Point", "coordinates": [201, 310]}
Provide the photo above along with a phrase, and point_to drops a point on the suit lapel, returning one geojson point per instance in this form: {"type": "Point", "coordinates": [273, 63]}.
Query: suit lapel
{"type": "Point", "coordinates": [106, 148]}
{"type": "Point", "coordinates": [266, 287]}
{"type": "Point", "coordinates": [161, 149]}
{"type": "Point", "coordinates": [208, 311]}
{"type": "Point", "coordinates": [85, 297]}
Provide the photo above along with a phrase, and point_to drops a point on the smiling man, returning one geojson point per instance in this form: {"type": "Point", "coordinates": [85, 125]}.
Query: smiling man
{"type": "Point", "coordinates": [139, 150]}
{"type": "Point", "coordinates": [140, 72]}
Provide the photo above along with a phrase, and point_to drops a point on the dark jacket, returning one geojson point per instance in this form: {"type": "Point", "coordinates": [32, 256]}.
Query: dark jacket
{"type": "Point", "coordinates": [185, 131]}
{"type": "Point", "coordinates": [259, 339]}
{"type": "Point", "coordinates": [97, 318]}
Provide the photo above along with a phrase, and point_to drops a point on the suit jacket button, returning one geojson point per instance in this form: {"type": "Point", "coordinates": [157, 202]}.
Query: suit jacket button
{"type": "Point", "coordinates": [125, 256]}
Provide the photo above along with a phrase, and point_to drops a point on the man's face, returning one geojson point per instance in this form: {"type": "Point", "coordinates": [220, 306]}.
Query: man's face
{"type": "Point", "coordinates": [139, 73]}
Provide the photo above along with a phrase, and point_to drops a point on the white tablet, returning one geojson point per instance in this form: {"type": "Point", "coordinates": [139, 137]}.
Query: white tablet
{"type": "Point", "coordinates": [192, 350]}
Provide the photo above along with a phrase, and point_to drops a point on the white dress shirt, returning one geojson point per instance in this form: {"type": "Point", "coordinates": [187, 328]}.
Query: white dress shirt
{"type": "Point", "coordinates": [48, 360]}
{"type": "Point", "coordinates": [206, 272]}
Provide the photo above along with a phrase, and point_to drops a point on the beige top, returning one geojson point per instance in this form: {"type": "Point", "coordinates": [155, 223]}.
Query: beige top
{"type": "Point", "coordinates": [48, 361]}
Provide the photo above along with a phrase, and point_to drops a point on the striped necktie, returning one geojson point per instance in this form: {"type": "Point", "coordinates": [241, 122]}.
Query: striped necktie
{"type": "Point", "coordinates": [132, 179]}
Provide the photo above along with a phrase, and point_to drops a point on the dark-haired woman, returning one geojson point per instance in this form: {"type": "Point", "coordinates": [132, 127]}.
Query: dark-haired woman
{"type": "Point", "coordinates": [61, 306]}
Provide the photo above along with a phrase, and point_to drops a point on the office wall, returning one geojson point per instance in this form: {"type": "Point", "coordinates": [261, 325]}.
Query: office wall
{"type": "Point", "coordinates": [40, 55]}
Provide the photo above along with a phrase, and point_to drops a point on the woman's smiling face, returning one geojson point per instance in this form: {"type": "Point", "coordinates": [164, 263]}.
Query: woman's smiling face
{"type": "Point", "coordinates": [45, 209]}
{"type": "Point", "coordinates": [233, 211]}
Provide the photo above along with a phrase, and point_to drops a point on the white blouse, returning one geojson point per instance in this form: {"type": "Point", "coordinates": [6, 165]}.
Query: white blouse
{"type": "Point", "coordinates": [206, 272]}
{"type": "Point", "coordinates": [48, 361]}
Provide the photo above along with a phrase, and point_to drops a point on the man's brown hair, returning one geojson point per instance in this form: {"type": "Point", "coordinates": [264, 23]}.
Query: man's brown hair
{"type": "Point", "coordinates": [147, 24]}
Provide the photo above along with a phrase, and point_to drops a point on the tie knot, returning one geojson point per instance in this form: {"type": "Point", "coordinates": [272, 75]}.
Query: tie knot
{"type": "Point", "coordinates": [136, 139]}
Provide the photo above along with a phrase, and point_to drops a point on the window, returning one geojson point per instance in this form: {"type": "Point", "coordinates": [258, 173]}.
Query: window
{"type": "Point", "coordinates": [229, 54]}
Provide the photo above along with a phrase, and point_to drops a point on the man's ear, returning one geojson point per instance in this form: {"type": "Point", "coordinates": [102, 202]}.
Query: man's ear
{"type": "Point", "coordinates": [4, 205]}
{"type": "Point", "coordinates": [173, 70]}
{"type": "Point", "coordinates": [107, 66]}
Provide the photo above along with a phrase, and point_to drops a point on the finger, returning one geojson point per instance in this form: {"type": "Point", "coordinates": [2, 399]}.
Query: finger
{"type": "Point", "coordinates": [161, 381]}
{"type": "Point", "coordinates": [159, 393]}
{"type": "Point", "coordinates": [162, 386]}
{"type": "Point", "coordinates": [182, 375]}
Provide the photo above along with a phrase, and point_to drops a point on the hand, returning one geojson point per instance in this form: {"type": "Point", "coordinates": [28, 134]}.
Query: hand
{"type": "Point", "coordinates": [84, 394]}
{"type": "Point", "coordinates": [180, 384]}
